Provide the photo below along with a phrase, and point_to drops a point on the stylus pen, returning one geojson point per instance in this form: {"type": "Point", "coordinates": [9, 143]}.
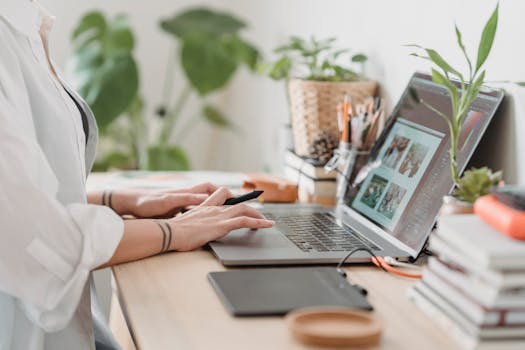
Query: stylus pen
{"type": "Point", "coordinates": [243, 198]}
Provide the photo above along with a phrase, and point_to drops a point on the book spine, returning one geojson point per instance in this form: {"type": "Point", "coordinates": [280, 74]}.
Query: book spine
{"type": "Point", "coordinates": [449, 253]}
{"type": "Point", "coordinates": [449, 326]}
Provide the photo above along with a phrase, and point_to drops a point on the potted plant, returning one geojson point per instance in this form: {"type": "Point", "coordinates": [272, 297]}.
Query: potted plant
{"type": "Point", "coordinates": [209, 49]}
{"type": "Point", "coordinates": [317, 82]}
{"type": "Point", "coordinates": [474, 182]}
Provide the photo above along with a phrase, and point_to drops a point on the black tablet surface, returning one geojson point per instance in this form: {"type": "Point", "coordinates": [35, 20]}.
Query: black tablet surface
{"type": "Point", "coordinates": [276, 291]}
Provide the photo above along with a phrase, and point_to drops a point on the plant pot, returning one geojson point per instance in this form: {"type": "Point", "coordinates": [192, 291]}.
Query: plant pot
{"type": "Point", "coordinates": [452, 205]}
{"type": "Point", "coordinates": [313, 107]}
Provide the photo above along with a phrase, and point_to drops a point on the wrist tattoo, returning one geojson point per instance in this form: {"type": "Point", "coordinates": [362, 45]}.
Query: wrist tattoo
{"type": "Point", "coordinates": [107, 197]}
{"type": "Point", "coordinates": [163, 236]}
{"type": "Point", "coordinates": [170, 234]}
{"type": "Point", "coordinates": [110, 196]}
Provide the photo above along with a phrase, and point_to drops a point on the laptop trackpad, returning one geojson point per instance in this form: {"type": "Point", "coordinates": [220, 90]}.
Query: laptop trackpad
{"type": "Point", "coordinates": [256, 239]}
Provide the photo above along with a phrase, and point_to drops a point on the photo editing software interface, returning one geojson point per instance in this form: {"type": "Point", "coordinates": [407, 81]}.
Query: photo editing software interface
{"type": "Point", "coordinates": [409, 172]}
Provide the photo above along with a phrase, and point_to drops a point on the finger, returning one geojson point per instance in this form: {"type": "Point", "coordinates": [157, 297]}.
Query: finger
{"type": "Point", "coordinates": [247, 222]}
{"type": "Point", "coordinates": [218, 197]}
{"type": "Point", "coordinates": [207, 188]}
{"type": "Point", "coordinates": [244, 210]}
{"type": "Point", "coordinates": [186, 199]}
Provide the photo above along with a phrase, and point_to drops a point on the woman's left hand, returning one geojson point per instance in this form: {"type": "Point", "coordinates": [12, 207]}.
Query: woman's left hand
{"type": "Point", "coordinates": [158, 203]}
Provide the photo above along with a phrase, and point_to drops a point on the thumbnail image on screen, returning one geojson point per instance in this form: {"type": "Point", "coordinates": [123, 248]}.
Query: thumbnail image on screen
{"type": "Point", "coordinates": [404, 157]}
{"type": "Point", "coordinates": [374, 191]}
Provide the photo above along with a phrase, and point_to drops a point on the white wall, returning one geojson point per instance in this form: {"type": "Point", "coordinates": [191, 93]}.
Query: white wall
{"type": "Point", "coordinates": [378, 28]}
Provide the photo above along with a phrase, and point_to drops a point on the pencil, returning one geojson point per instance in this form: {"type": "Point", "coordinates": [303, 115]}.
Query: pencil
{"type": "Point", "coordinates": [344, 137]}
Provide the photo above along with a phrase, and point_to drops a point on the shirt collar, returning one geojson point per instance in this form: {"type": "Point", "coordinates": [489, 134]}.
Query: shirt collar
{"type": "Point", "coordinates": [26, 16]}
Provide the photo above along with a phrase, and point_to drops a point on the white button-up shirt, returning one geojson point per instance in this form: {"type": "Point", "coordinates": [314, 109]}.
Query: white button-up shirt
{"type": "Point", "coordinates": [50, 238]}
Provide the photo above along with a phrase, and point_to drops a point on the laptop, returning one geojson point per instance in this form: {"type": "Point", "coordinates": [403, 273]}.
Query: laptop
{"type": "Point", "coordinates": [392, 209]}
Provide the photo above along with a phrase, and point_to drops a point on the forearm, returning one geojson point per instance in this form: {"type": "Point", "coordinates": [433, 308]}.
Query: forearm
{"type": "Point", "coordinates": [141, 239]}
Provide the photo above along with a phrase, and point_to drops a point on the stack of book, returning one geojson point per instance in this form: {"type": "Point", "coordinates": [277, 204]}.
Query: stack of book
{"type": "Point", "coordinates": [474, 286]}
{"type": "Point", "coordinates": [314, 184]}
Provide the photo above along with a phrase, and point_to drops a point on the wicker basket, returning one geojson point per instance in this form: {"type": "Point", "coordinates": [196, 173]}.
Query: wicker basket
{"type": "Point", "coordinates": [313, 107]}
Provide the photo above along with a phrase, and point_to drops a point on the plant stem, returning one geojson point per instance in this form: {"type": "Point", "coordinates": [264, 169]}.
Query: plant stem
{"type": "Point", "coordinates": [185, 129]}
{"type": "Point", "coordinates": [139, 135]}
{"type": "Point", "coordinates": [454, 138]}
{"type": "Point", "coordinates": [173, 115]}
{"type": "Point", "coordinates": [167, 88]}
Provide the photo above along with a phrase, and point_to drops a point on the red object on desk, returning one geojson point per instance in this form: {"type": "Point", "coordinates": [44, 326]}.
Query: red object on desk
{"type": "Point", "coordinates": [503, 218]}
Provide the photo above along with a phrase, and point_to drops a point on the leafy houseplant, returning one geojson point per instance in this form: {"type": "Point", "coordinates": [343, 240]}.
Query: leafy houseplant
{"type": "Point", "coordinates": [209, 49]}
{"type": "Point", "coordinates": [477, 181]}
{"type": "Point", "coordinates": [315, 60]}
{"type": "Point", "coordinates": [318, 77]}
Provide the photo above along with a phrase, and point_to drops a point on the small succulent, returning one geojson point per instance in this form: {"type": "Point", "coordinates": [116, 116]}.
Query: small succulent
{"type": "Point", "coordinates": [475, 183]}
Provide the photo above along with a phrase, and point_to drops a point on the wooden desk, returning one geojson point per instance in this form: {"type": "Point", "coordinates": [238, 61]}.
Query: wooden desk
{"type": "Point", "coordinates": [170, 304]}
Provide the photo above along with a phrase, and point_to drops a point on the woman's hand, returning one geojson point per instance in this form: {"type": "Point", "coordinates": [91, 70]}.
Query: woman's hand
{"type": "Point", "coordinates": [211, 221]}
{"type": "Point", "coordinates": [153, 203]}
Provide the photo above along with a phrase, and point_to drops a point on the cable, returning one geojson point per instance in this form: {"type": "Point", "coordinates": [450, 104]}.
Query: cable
{"type": "Point", "coordinates": [379, 262]}
{"type": "Point", "coordinates": [342, 273]}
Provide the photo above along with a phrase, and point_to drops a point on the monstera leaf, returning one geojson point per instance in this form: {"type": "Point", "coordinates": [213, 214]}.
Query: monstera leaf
{"type": "Point", "coordinates": [102, 67]}
{"type": "Point", "coordinates": [211, 48]}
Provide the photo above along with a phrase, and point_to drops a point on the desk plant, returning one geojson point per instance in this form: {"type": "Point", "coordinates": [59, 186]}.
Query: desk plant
{"type": "Point", "coordinates": [475, 182]}
{"type": "Point", "coordinates": [207, 45]}
{"type": "Point", "coordinates": [318, 75]}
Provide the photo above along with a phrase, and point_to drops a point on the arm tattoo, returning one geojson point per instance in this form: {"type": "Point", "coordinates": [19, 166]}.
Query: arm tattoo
{"type": "Point", "coordinates": [170, 233]}
{"type": "Point", "coordinates": [163, 236]}
{"type": "Point", "coordinates": [107, 197]}
{"type": "Point", "coordinates": [110, 196]}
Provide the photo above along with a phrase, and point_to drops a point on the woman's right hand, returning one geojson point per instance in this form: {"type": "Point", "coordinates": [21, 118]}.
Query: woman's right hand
{"type": "Point", "coordinates": [212, 220]}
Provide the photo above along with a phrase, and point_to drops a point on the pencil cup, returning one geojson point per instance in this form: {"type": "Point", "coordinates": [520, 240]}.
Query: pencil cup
{"type": "Point", "coordinates": [351, 161]}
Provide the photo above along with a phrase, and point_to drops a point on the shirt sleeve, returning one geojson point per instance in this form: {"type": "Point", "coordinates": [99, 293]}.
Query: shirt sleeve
{"type": "Point", "coordinates": [47, 249]}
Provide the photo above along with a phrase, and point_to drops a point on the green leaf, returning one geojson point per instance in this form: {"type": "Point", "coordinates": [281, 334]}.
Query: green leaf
{"type": "Point", "coordinates": [91, 26]}
{"type": "Point", "coordinates": [201, 21]}
{"type": "Point", "coordinates": [215, 117]}
{"type": "Point", "coordinates": [419, 56]}
{"type": "Point", "coordinates": [281, 69]}
{"type": "Point", "coordinates": [112, 89]}
{"type": "Point", "coordinates": [452, 89]}
{"type": "Point", "coordinates": [295, 44]}
{"type": "Point", "coordinates": [82, 65]}
{"type": "Point", "coordinates": [168, 158]}
{"type": "Point", "coordinates": [207, 63]}
{"type": "Point", "coordinates": [462, 47]}
{"type": "Point", "coordinates": [472, 94]}
{"type": "Point", "coordinates": [102, 67]}
{"type": "Point", "coordinates": [487, 38]}
{"type": "Point", "coordinates": [119, 36]}
{"type": "Point", "coordinates": [359, 58]}
{"type": "Point", "coordinates": [441, 63]}
{"type": "Point", "coordinates": [477, 84]}
{"type": "Point", "coordinates": [242, 51]}
{"type": "Point", "coordinates": [438, 77]}
{"type": "Point", "coordinates": [520, 83]}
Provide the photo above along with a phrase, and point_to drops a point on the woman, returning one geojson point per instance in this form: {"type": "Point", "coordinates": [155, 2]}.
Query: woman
{"type": "Point", "coordinates": [53, 234]}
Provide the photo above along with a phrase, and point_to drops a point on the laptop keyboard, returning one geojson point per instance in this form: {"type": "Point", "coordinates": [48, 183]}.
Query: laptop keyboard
{"type": "Point", "coordinates": [318, 232]}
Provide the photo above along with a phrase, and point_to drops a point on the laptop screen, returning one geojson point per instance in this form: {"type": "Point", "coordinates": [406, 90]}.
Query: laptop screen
{"type": "Point", "coordinates": [408, 172]}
